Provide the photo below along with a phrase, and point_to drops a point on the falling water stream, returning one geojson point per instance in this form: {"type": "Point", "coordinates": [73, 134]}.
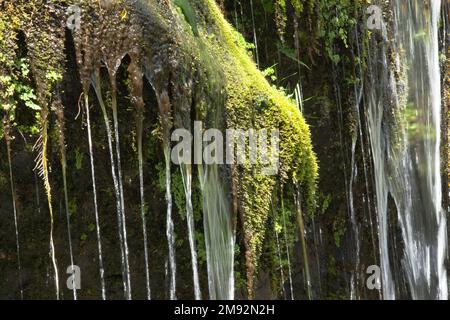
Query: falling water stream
{"type": "Point", "coordinates": [169, 224]}
{"type": "Point", "coordinates": [219, 238]}
{"type": "Point", "coordinates": [186, 172]}
{"type": "Point", "coordinates": [113, 83]}
{"type": "Point", "coordinates": [96, 83]}
{"type": "Point", "coordinates": [405, 129]}
{"type": "Point", "coordinates": [140, 120]}
{"type": "Point", "coordinates": [94, 192]}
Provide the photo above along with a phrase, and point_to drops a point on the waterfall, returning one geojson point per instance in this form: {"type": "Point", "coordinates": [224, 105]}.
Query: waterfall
{"type": "Point", "coordinates": [140, 120]}
{"type": "Point", "coordinates": [94, 192]}
{"type": "Point", "coordinates": [169, 224]}
{"type": "Point", "coordinates": [219, 238]}
{"type": "Point", "coordinates": [405, 129]}
{"type": "Point", "coordinates": [96, 83]}
{"type": "Point", "coordinates": [353, 174]}
{"type": "Point", "coordinates": [359, 97]}
{"type": "Point", "coordinates": [217, 214]}
{"type": "Point", "coordinates": [186, 172]}
{"type": "Point", "coordinates": [120, 180]}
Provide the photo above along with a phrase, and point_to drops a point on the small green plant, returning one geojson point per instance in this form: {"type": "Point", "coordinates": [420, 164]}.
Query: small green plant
{"type": "Point", "coordinates": [269, 73]}
{"type": "Point", "coordinates": [78, 159]}
{"type": "Point", "coordinates": [91, 227]}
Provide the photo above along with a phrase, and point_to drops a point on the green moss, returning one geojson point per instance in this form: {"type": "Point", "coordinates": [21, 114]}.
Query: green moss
{"type": "Point", "coordinates": [252, 103]}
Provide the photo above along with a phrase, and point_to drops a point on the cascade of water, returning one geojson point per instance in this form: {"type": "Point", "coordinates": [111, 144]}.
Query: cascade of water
{"type": "Point", "coordinates": [377, 85]}
{"type": "Point", "coordinates": [406, 149]}
{"type": "Point", "coordinates": [169, 223]}
{"type": "Point", "coordinates": [120, 180]}
{"type": "Point", "coordinates": [164, 109]}
{"type": "Point", "coordinates": [94, 192]}
{"type": "Point", "coordinates": [14, 197]}
{"type": "Point", "coordinates": [358, 92]}
{"type": "Point", "coordinates": [219, 238]}
{"type": "Point", "coordinates": [218, 221]}
{"type": "Point", "coordinates": [140, 120]}
{"type": "Point", "coordinates": [96, 83]}
{"type": "Point", "coordinates": [186, 172]}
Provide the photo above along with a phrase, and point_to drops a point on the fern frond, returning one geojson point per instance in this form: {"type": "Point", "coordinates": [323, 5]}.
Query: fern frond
{"type": "Point", "coordinates": [42, 169]}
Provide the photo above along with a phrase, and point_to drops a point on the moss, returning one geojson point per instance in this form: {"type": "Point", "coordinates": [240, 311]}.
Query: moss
{"type": "Point", "coordinates": [252, 103]}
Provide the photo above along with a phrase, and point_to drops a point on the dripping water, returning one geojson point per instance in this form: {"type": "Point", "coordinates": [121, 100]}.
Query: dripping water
{"type": "Point", "coordinates": [169, 224]}
{"type": "Point", "coordinates": [96, 83]}
{"type": "Point", "coordinates": [406, 151]}
{"type": "Point", "coordinates": [140, 119]}
{"type": "Point", "coordinates": [186, 172]}
{"type": "Point", "coordinates": [120, 180]}
{"type": "Point", "coordinates": [94, 192]}
{"type": "Point", "coordinates": [164, 108]}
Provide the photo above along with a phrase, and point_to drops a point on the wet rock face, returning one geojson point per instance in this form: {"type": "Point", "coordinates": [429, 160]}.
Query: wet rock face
{"type": "Point", "coordinates": [153, 60]}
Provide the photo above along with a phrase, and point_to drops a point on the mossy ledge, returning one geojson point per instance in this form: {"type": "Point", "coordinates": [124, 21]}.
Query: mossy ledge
{"type": "Point", "coordinates": [190, 54]}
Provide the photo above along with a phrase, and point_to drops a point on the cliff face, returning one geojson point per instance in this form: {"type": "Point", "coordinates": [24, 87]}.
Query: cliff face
{"type": "Point", "coordinates": [171, 62]}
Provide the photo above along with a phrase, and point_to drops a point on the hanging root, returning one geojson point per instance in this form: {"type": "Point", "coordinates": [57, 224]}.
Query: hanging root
{"type": "Point", "coordinates": [62, 149]}
{"type": "Point", "coordinates": [136, 89]}
{"type": "Point", "coordinates": [42, 169]}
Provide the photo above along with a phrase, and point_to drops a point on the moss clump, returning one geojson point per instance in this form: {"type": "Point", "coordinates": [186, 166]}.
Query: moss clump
{"type": "Point", "coordinates": [252, 103]}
